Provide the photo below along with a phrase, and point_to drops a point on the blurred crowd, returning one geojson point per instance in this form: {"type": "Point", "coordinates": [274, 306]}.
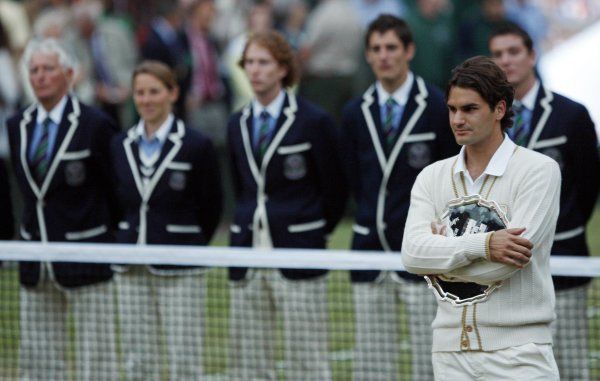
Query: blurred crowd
{"type": "Point", "coordinates": [203, 39]}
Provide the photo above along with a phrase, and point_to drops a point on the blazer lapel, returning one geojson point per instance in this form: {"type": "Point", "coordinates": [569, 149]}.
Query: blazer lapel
{"type": "Point", "coordinates": [63, 128]}
{"type": "Point", "coordinates": [246, 133]}
{"type": "Point", "coordinates": [250, 126]}
{"type": "Point", "coordinates": [66, 131]}
{"type": "Point", "coordinates": [168, 144]}
{"type": "Point", "coordinates": [375, 111]}
{"type": "Point", "coordinates": [130, 146]}
{"type": "Point", "coordinates": [28, 136]}
{"type": "Point", "coordinates": [541, 112]}
{"type": "Point", "coordinates": [417, 102]}
{"type": "Point", "coordinates": [278, 123]}
{"type": "Point", "coordinates": [371, 114]}
{"type": "Point", "coordinates": [167, 154]}
{"type": "Point", "coordinates": [26, 128]}
{"type": "Point", "coordinates": [156, 177]}
{"type": "Point", "coordinates": [284, 122]}
{"type": "Point", "coordinates": [410, 107]}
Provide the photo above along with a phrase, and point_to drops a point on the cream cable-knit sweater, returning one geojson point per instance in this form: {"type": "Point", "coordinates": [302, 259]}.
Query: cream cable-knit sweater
{"type": "Point", "coordinates": [520, 311]}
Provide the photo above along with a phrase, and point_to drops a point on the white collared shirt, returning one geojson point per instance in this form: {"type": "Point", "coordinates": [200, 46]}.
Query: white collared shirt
{"type": "Point", "coordinates": [55, 114]}
{"type": "Point", "coordinates": [149, 162]}
{"type": "Point", "coordinates": [529, 99]}
{"type": "Point", "coordinates": [496, 166]}
{"type": "Point", "coordinates": [161, 133]}
{"type": "Point", "coordinates": [273, 108]}
{"type": "Point", "coordinates": [400, 95]}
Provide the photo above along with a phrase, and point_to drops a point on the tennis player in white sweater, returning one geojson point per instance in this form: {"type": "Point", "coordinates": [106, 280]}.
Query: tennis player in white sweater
{"type": "Point", "coordinates": [480, 228]}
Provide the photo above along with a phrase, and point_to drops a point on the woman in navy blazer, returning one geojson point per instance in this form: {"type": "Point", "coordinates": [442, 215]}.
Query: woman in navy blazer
{"type": "Point", "coordinates": [169, 186]}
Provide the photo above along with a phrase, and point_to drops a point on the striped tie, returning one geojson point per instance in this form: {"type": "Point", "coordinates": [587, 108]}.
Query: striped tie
{"type": "Point", "coordinates": [263, 133]}
{"type": "Point", "coordinates": [388, 123]}
{"type": "Point", "coordinates": [41, 159]}
{"type": "Point", "coordinates": [520, 130]}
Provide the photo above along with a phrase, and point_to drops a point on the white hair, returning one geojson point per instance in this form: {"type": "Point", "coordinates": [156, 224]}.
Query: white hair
{"type": "Point", "coordinates": [45, 46]}
{"type": "Point", "coordinates": [48, 46]}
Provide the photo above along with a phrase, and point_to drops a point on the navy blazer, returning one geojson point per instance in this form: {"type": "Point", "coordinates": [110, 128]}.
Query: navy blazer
{"type": "Point", "coordinates": [297, 194]}
{"type": "Point", "coordinates": [75, 202]}
{"type": "Point", "coordinates": [182, 202]}
{"type": "Point", "coordinates": [382, 178]}
{"type": "Point", "coordinates": [563, 130]}
{"type": "Point", "coordinates": [7, 228]}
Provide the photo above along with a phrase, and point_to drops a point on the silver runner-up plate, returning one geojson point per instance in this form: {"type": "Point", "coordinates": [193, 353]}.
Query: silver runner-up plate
{"type": "Point", "coordinates": [467, 215]}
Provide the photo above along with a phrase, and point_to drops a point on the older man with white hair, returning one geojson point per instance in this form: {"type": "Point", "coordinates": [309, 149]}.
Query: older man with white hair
{"type": "Point", "coordinates": [59, 153]}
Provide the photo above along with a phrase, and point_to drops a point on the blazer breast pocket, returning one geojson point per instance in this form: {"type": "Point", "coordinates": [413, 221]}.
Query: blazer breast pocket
{"type": "Point", "coordinates": [418, 155]}
{"type": "Point", "coordinates": [294, 160]}
{"type": "Point", "coordinates": [553, 148]}
{"type": "Point", "coordinates": [75, 167]}
{"type": "Point", "coordinates": [178, 175]}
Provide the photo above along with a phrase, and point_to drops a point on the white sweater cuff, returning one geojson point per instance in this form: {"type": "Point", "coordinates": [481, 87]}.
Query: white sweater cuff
{"type": "Point", "coordinates": [475, 246]}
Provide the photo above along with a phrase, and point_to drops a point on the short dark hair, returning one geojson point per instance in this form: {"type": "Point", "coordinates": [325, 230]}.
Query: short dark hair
{"type": "Point", "coordinates": [482, 75]}
{"type": "Point", "coordinates": [508, 27]}
{"type": "Point", "coordinates": [280, 49]}
{"type": "Point", "coordinates": [386, 22]}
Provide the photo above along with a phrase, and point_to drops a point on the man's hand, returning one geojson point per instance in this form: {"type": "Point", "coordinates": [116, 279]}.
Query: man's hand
{"type": "Point", "coordinates": [437, 227]}
{"type": "Point", "coordinates": [507, 246]}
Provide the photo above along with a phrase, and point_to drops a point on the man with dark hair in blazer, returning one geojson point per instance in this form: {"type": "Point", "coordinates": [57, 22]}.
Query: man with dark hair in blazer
{"type": "Point", "coordinates": [399, 126]}
{"type": "Point", "coordinates": [290, 193]}
{"type": "Point", "coordinates": [562, 129]}
{"type": "Point", "coordinates": [59, 154]}
{"type": "Point", "coordinates": [7, 221]}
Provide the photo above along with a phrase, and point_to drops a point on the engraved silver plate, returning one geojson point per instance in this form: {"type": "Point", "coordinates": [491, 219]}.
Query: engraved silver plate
{"type": "Point", "coordinates": [467, 215]}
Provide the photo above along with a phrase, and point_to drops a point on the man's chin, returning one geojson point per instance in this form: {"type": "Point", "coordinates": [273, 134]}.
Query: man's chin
{"type": "Point", "coordinates": [42, 95]}
{"type": "Point", "coordinates": [258, 88]}
{"type": "Point", "coordinates": [462, 140]}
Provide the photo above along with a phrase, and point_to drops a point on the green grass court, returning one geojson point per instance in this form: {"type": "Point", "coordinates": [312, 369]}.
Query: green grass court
{"type": "Point", "coordinates": [340, 308]}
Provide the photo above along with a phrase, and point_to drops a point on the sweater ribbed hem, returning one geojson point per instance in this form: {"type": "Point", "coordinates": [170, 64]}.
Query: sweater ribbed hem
{"type": "Point", "coordinates": [493, 338]}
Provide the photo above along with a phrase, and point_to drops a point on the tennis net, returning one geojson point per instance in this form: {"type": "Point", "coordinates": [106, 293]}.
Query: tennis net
{"type": "Point", "coordinates": [245, 315]}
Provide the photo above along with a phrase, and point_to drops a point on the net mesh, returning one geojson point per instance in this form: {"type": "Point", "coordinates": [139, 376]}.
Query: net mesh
{"type": "Point", "coordinates": [267, 325]}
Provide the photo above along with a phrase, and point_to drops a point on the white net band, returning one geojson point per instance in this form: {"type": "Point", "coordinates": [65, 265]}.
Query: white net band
{"type": "Point", "coordinates": [213, 256]}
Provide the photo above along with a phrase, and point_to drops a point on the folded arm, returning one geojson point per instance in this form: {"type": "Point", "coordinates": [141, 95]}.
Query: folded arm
{"type": "Point", "coordinates": [535, 207]}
